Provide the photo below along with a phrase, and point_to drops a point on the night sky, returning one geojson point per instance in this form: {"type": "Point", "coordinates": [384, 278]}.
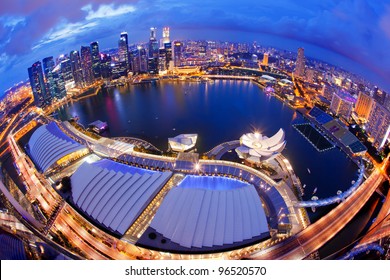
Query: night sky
{"type": "Point", "coordinates": [352, 34]}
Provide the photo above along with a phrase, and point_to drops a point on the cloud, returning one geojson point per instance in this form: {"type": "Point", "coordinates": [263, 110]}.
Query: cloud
{"type": "Point", "coordinates": [356, 29]}
{"type": "Point", "coordinates": [384, 22]}
{"type": "Point", "coordinates": [105, 11]}
{"type": "Point", "coordinates": [64, 31]}
{"type": "Point", "coordinates": [12, 21]}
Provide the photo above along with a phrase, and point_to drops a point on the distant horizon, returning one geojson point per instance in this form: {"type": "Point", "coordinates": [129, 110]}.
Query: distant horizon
{"type": "Point", "coordinates": [331, 32]}
{"type": "Point", "coordinates": [3, 94]}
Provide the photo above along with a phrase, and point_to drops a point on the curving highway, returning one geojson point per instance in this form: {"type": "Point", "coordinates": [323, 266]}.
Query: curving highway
{"type": "Point", "coordinates": [316, 235]}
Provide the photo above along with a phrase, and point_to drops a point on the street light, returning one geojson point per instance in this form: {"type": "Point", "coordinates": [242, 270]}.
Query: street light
{"type": "Point", "coordinates": [197, 166]}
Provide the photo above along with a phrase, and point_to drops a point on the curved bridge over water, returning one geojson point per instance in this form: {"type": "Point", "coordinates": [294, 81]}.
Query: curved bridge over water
{"type": "Point", "coordinates": [333, 199]}
{"type": "Point", "coordinates": [316, 235]}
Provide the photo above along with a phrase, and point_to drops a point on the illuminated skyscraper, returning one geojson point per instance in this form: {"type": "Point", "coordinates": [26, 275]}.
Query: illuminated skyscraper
{"type": "Point", "coordinates": [66, 71]}
{"type": "Point", "coordinates": [123, 51]}
{"type": "Point", "coordinates": [59, 82]}
{"type": "Point", "coordinates": [378, 125]}
{"type": "Point", "coordinates": [55, 82]}
{"type": "Point", "coordinates": [177, 53]}
{"type": "Point", "coordinates": [153, 33]}
{"type": "Point", "coordinates": [48, 66]}
{"type": "Point", "coordinates": [168, 54]}
{"type": "Point", "coordinates": [166, 38]}
{"type": "Point", "coordinates": [41, 97]}
{"type": "Point", "coordinates": [363, 105]}
{"type": "Point", "coordinates": [265, 59]}
{"type": "Point", "coordinates": [105, 66]}
{"type": "Point", "coordinates": [153, 52]}
{"type": "Point", "coordinates": [140, 60]}
{"type": "Point", "coordinates": [95, 60]}
{"type": "Point", "coordinates": [86, 64]}
{"type": "Point", "coordinates": [162, 66]}
{"type": "Point", "coordinates": [300, 63]}
{"type": "Point", "coordinates": [77, 71]}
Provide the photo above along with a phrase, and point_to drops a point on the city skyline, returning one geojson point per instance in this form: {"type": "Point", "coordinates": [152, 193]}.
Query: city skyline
{"type": "Point", "coordinates": [333, 32]}
{"type": "Point", "coordinates": [160, 130]}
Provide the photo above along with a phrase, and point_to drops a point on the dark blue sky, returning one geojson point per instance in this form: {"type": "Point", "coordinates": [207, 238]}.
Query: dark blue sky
{"type": "Point", "coordinates": [354, 34]}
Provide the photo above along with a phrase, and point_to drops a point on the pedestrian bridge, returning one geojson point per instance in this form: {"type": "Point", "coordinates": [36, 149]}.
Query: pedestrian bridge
{"type": "Point", "coordinates": [336, 198]}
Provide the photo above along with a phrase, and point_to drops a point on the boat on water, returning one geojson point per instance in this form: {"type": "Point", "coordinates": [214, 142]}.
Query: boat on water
{"type": "Point", "coordinates": [315, 190]}
{"type": "Point", "coordinates": [304, 186]}
{"type": "Point", "coordinates": [308, 170]}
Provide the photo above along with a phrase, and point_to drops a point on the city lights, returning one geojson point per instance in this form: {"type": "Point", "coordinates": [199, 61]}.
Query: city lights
{"type": "Point", "coordinates": [132, 150]}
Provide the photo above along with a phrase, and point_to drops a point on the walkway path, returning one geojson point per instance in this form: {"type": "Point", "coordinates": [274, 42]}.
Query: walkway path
{"type": "Point", "coordinates": [218, 151]}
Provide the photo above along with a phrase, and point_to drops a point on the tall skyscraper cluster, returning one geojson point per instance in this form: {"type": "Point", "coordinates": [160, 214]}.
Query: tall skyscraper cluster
{"type": "Point", "coordinates": [81, 68]}
{"type": "Point", "coordinates": [50, 79]}
{"type": "Point", "coordinates": [154, 57]}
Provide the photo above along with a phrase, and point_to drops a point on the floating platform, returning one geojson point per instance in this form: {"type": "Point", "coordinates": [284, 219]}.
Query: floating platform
{"type": "Point", "coordinates": [314, 137]}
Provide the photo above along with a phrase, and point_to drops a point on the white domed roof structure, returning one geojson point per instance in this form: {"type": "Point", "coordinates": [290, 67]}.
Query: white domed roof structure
{"type": "Point", "coordinates": [256, 147]}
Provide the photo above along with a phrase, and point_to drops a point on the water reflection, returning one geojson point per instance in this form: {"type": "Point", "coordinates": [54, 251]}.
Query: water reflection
{"type": "Point", "coordinates": [217, 112]}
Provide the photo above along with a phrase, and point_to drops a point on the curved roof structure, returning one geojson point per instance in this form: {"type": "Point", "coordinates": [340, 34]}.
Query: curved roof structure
{"type": "Point", "coordinates": [193, 215]}
{"type": "Point", "coordinates": [183, 142]}
{"type": "Point", "coordinates": [114, 194]}
{"type": "Point", "coordinates": [48, 144]}
{"type": "Point", "coordinates": [256, 147]}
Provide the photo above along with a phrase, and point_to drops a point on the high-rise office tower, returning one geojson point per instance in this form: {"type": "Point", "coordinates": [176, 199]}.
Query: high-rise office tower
{"type": "Point", "coordinates": [153, 33]}
{"type": "Point", "coordinates": [95, 60]}
{"type": "Point", "coordinates": [106, 70]}
{"type": "Point", "coordinates": [153, 52]}
{"type": "Point", "coordinates": [86, 64]}
{"type": "Point", "coordinates": [59, 82]}
{"type": "Point", "coordinates": [177, 53]}
{"type": "Point", "coordinates": [166, 38]}
{"type": "Point", "coordinates": [168, 54]}
{"type": "Point", "coordinates": [363, 105]}
{"type": "Point", "coordinates": [162, 65]}
{"type": "Point", "coordinates": [265, 59]}
{"type": "Point", "coordinates": [54, 81]}
{"type": "Point", "coordinates": [300, 63]}
{"type": "Point", "coordinates": [378, 125]}
{"type": "Point", "coordinates": [123, 51]}
{"type": "Point", "coordinates": [67, 74]}
{"type": "Point", "coordinates": [140, 60]}
{"type": "Point", "coordinates": [143, 60]}
{"type": "Point", "coordinates": [48, 66]}
{"type": "Point", "coordinates": [37, 82]}
{"type": "Point", "coordinates": [77, 71]}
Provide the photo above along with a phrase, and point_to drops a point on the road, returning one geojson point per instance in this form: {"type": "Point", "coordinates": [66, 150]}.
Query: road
{"type": "Point", "coordinates": [381, 226]}
{"type": "Point", "coordinates": [316, 235]}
